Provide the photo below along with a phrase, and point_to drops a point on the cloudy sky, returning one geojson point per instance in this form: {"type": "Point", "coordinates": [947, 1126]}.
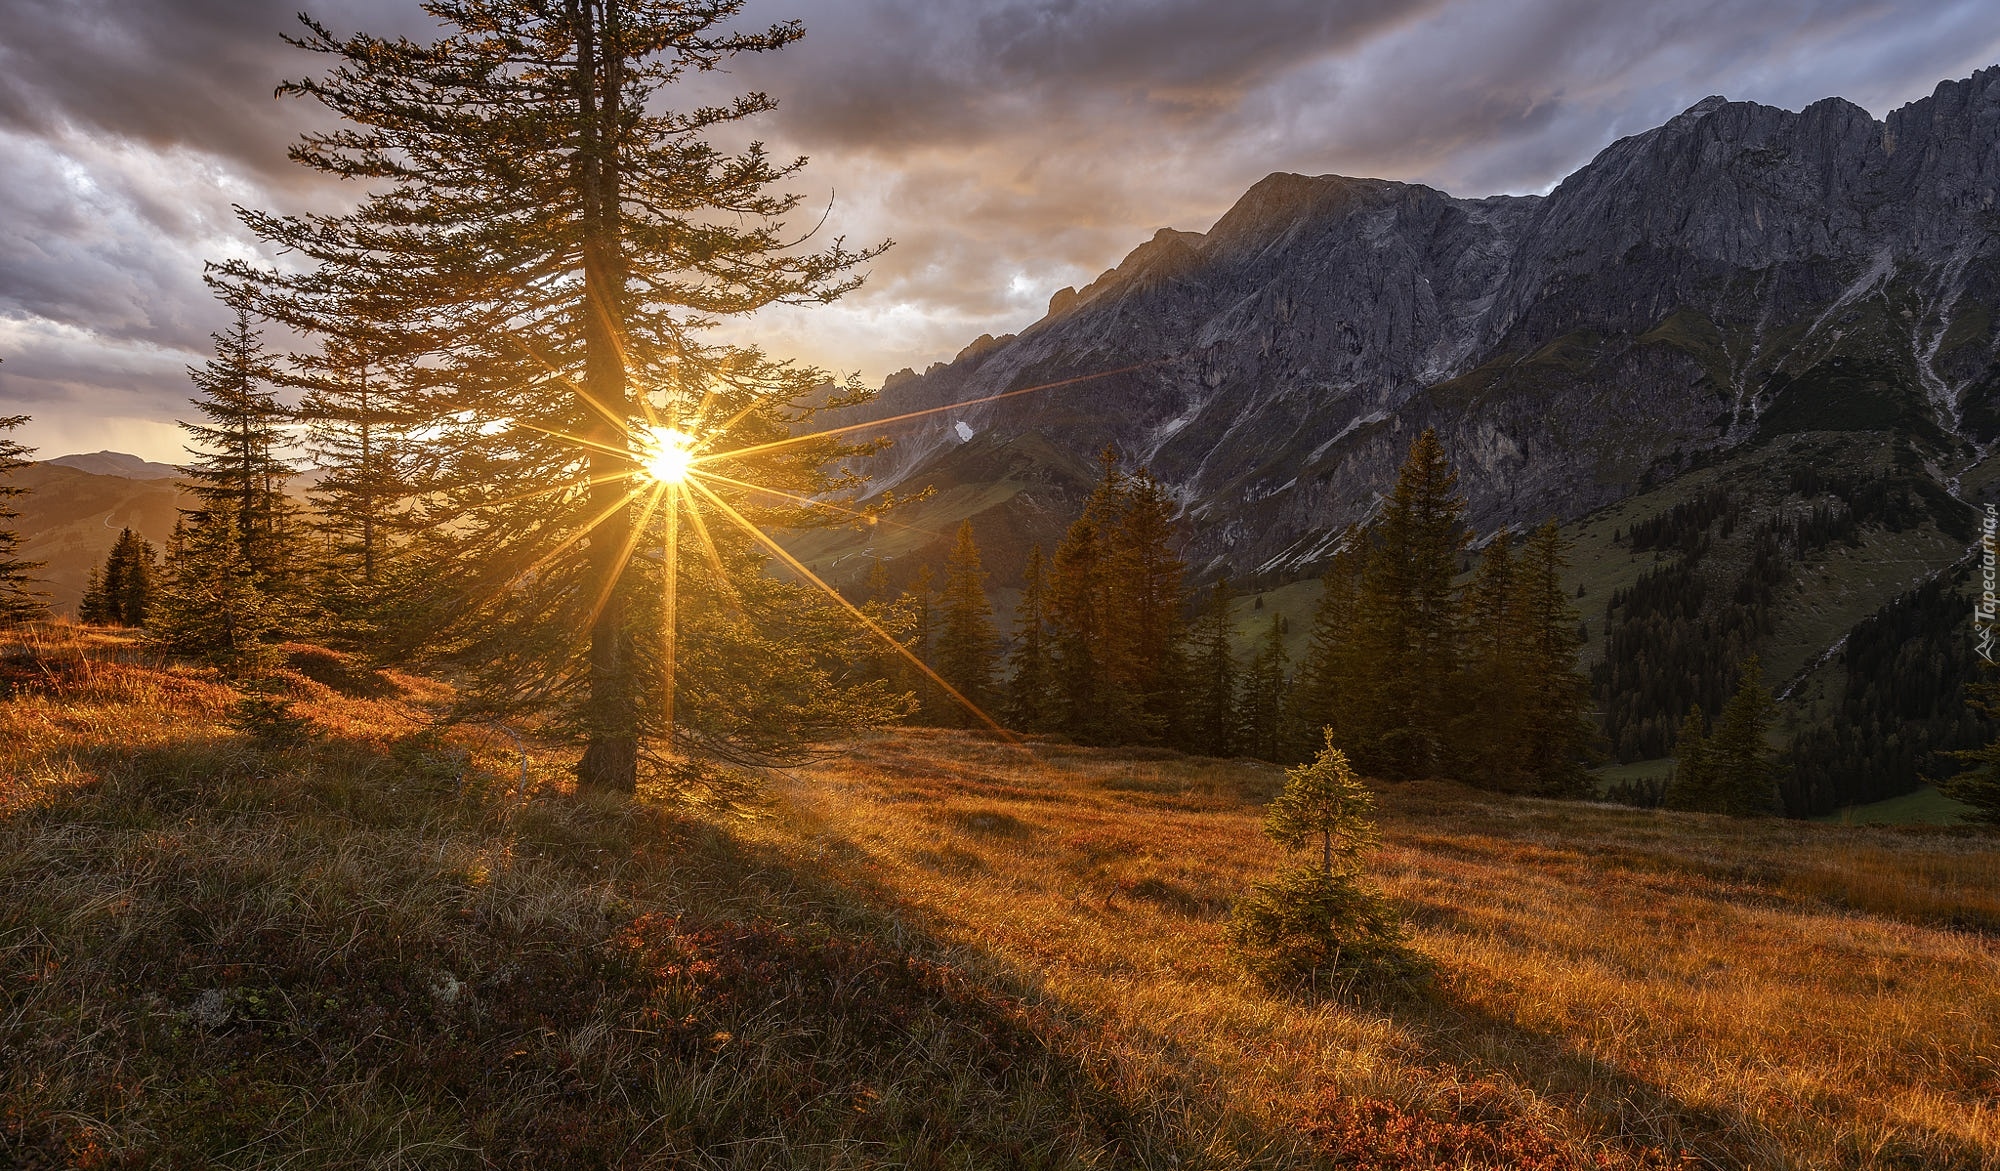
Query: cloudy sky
{"type": "Point", "coordinates": [1010, 147]}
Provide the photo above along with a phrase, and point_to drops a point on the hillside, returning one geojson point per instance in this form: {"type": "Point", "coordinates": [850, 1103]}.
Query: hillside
{"type": "Point", "coordinates": [70, 517]}
{"type": "Point", "coordinates": [399, 946]}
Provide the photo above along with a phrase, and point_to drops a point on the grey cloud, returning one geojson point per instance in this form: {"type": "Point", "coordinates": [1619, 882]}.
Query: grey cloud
{"type": "Point", "coordinates": [185, 73]}
{"type": "Point", "coordinates": [102, 242]}
{"type": "Point", "coordinates": [1011, 146]}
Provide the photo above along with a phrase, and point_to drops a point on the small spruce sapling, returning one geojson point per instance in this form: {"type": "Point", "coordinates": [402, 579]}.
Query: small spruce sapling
{"type": "Point", "coordinates": [1318, 918]}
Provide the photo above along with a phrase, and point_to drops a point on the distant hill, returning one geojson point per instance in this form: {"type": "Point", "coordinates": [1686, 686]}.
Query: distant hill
{"type": "Point", "coordinates": [117, 463]}
{"type": "Point", "coordinates": [70, 517]}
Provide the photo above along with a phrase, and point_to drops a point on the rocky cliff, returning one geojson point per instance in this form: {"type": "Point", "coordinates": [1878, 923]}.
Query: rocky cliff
{"type": "Point", "coordinates": [1737, 274]}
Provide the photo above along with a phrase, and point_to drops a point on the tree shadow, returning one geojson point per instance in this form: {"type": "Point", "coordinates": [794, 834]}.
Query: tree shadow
{"type": "Point", "coordinates": [1651, 1124]}
{"type": "Point", "coordinates": [758, 1006]}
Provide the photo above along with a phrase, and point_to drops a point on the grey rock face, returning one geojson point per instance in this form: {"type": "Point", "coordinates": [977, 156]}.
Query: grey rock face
{"type": "Point", "coordinates": [1736, 270]}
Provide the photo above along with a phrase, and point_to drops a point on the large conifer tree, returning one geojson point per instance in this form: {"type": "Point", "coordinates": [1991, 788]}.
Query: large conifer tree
{"type": "Point", "coordinates": [543, 241]}
{"type": "Point", "coordinates": [1148, 602]}
{"type": "Point", "coordinates": [357, 423]}
{"type": "Point", "coordinates": [1323, 694]}
{"type": "Point", "coordinates": [1261, 707]}
{"type": "Point", "coordinates": [1552, 699]}
{"type": "Point", "coordinates": [1093, 703]}
{"type": "Point", "coordinates": [19, 600]}
{"type": "Point", "coordinates": [237, 473]}
{"type": "Point", "coordinates": [1030, 679]}
{"type": "Point", "coordinates": [968, 648]}
{"type": "Point", "coordinates": [1409, 616]}
{"type": "Point", "coordinates": [1489, 726]}
{"type": "Point", "coordinates": [1116, 616]}
{"type": "Point", "coordinates": [1746, 775]}
{"type": "Point", "coordinates": [1211, 726]}
{"type": "Point", "coordinates": [122, 592]}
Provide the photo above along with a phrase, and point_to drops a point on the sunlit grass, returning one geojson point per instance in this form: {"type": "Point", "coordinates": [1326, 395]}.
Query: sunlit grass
{"type": "Point", "coordinates": [399, 946]}
{"type": "Point", "coordinates": [1767, 994]}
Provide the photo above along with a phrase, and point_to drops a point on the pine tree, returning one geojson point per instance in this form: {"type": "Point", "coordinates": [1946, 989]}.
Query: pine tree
{"type": "Point", "coordinates": [883, 606]}
{"type": "Point", "coordinates": [1979, 784]}
{"type": "Point", "coordinates": [1261, 711]}
{"type": "Point", "coordinates": [1693, 783]}
{"type": "Point", "coordinates": [1729, 768]}
{"type": "Point", "coordinates": [122, 592]}
{"type": "Point", "coordinates": [544, 240]}
{"type": "Point", "coordinates": [137, 566]}
{"type": "Point", "coordinates": [357, 423]}
{"type": "Point", "coordinates": [1491, 737]}
{"type": "Point", "coordinates": [1320, 918]}
{"type": "Point", "coordinates": [236, 473]}
{"type": "Point", "coordinates": [1745, 767]}
{"type": "Point", "coordinates": [1557, 722]}
{"type": "Point", "coordinates": [1030, 678]}
{"type": "Point", "coordinates": [94, 609]}
{"type": "Point", "coordinates": [1149, 602]}
{"type": "Point", "coordinates": [968, 648]}
{"type": "Point", "coordinates": [19, 600]}
{"type": "Point", "coordinates": [1329, 672]}
{"type": "Point", "coordinates": [920, 600]}
{"type": "Point", "coordinates": [210, 608]}
{"type": "Point", "coordinates": [1116, 613]}
{"type": "Point", "coordinates": [1408, 615]}
{"type": "Point", "coordinates": [1087, 637]}
{"type": "Point", "coordinates": [1211, 727]}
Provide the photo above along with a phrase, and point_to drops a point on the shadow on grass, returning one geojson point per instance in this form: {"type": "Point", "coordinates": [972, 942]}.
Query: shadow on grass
{"type": "Point", "coordinates": [329, 955]}
{"type": "Point", "coordinates": [1484, 1060]}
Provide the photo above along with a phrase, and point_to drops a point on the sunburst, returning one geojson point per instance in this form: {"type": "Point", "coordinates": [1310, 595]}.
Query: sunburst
{"type": "Point", "coordinates": [673, 468]}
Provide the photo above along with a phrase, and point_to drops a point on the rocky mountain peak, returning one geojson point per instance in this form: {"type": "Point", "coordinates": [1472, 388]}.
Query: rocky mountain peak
{"type": "Point", "coordinates": [1737, 269]}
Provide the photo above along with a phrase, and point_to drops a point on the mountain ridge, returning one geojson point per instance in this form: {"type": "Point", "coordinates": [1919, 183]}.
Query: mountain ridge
{"type": "Point", "coordinates": [1702, 267]}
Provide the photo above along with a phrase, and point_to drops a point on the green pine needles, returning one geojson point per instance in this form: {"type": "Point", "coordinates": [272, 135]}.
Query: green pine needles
{"type": "Point", "coordinates": [1319, 920]}
{"type": "Point", "coordinates": [20, 601]}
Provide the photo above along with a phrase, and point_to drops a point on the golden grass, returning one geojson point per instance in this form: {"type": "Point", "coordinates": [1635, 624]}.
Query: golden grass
{"type": "Point", "coordinates": [394, 947]}
{"type": "Point", "coordinates": [386, 948]}
{"type": "Point", "coordinates": [1764, 994]}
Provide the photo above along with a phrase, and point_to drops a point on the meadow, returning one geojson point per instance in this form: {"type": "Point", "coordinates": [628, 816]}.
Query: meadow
{"type": "Point", "coordinates": [397, 944]}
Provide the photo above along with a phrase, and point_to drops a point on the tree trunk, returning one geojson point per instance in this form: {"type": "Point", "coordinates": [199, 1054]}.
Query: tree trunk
{"type": "Point", "coordinates": [611, 758]}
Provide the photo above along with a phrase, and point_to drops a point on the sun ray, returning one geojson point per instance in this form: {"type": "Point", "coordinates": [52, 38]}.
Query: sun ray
{"type": "Point", "coordinates": [714, 557]}
{"type": "Point", "coordinates": [702, 456]}
{"type": "Point", "coordinates": [670, 604]}
{"type": "Point", "coordinates": [625, 556]}
{"type": "Point", "coordinates": [809, 501]}
{"type": "Point", "coordinates": [577, 439]}
{"type": "Point", "coordinates": [798, 567]}
{"type": "Point", "coordinates": [567, 485]}
{"type": "Point", "coordinates": [589, 399]}
{"type": "Point", "coordinates": [617, 337]}
{"type": "Point", "coordinates": [579, 534]}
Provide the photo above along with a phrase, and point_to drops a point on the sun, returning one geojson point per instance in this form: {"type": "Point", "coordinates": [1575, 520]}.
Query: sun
{"type": "Point", "coordinates": [666, 453]}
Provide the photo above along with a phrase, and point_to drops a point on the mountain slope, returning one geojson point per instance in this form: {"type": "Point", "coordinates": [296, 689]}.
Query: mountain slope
{"type": "Point", "coordinates": [70, 517]}
{"type": "Point", "coordinates": [1737, 273]}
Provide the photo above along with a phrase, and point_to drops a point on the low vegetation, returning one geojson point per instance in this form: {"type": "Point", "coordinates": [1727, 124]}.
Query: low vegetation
{"type": "Point", "coordinates": [227, 942]}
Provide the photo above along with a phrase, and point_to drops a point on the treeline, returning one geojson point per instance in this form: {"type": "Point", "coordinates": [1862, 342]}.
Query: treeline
{"type": "Point", "coordinates": [1417, 672]}
{"type": "Point", "coordinates": [1679, 639]}
{"type": "Point", "coordinates": [1902, 712]}
{"type": "Point", "coordinates": [248, 565]}
{"type": "Point", "coordinates": [1674, 637]}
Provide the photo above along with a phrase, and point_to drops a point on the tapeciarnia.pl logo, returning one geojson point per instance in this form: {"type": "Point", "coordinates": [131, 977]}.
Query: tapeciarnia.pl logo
{"type": "Point", "coordinates": [1989, 570]}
